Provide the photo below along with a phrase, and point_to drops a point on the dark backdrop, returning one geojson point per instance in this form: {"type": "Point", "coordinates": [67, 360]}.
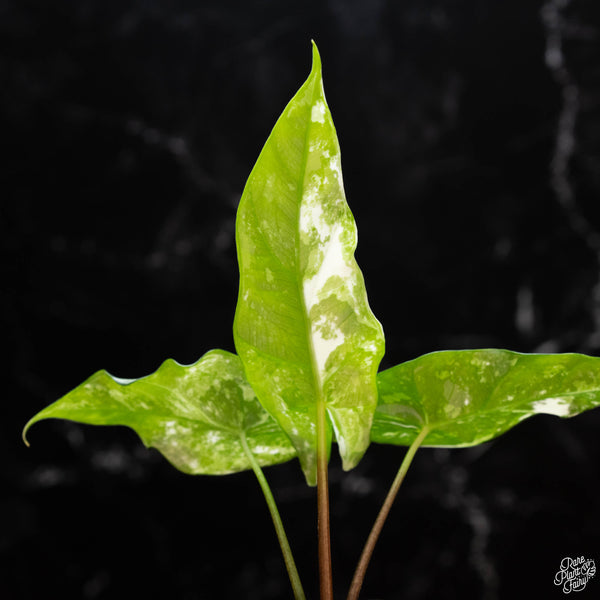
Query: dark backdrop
{"type": "Point", "coordinates": [469, 134]}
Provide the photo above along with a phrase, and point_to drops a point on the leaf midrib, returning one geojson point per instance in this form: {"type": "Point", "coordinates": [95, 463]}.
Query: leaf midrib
{"type": "Point", "coordinates": [317, 384]}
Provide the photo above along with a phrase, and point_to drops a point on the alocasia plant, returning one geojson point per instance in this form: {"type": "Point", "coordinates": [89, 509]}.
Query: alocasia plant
{"type": "Point", "coordinates": [309, 348]}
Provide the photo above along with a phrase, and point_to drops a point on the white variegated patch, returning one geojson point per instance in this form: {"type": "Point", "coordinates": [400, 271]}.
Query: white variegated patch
{"type": "Point", "coordinates": [334, 263]}
{"type": "Point", "coordinates": [323, 346]}
{"type": "Point", "coordinates": [553, 406]}
{"type": "Point", "coordinates": [335, 166]}
{"type": "Point", "coordinates": [327, 243]}
{"type": "Point", "coordinates": [318, 112]}
{"type": "Point", "coordinates": [123, 380]}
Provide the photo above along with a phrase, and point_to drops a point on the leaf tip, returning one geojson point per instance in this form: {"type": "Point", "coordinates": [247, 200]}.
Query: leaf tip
{"type": "Point", "coordinates": [316, 57]}
{"type": "Point", "coordinates": [24, 433]}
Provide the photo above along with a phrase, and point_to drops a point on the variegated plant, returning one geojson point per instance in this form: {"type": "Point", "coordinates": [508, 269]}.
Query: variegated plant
{"type": "Point", "coordinates": [309, 348]}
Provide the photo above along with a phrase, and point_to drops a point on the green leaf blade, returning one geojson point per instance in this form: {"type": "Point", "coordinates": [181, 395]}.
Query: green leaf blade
{"type": "Point", "coordinates": [468, 397]}
{"type": "Point", "coordinates": [194, 415]}
{"type": "Point", "coordinates": [303, 326]}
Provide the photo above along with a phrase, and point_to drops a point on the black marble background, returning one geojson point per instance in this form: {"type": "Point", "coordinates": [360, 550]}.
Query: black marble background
{"type": "Point", "coordinates": [469, 133]}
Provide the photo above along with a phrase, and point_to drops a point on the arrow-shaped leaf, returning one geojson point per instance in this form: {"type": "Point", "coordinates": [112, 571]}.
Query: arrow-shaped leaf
{"type": "Point", "coordinates": [204, 418]}
{"type": "Point", "coordinates": [467, 397]}
{"type": "Point", "coordinates": [303, 327]}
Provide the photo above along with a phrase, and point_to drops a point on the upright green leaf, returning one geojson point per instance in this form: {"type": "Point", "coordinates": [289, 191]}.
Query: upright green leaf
{"type": "Point", "coordinates": [201, 417]}
{"type": "Point", "coordinates": [468, 397]}
{"type": "Point", "coordinates": [303, 327]}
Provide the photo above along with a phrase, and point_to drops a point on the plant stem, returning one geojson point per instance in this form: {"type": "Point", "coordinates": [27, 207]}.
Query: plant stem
{"type": "Point", "coordinates": [283, 541]}
{"type": "Point", "coordinates": [367, 552]}
{"type": "Point", "coordinates": [325, 572]}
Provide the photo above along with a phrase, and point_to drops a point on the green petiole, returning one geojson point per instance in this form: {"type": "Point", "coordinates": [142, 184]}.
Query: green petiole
{"type": "Point", "coordinates": [365, 557]}
{"type": "Point", "coordinates": [279, 529]}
